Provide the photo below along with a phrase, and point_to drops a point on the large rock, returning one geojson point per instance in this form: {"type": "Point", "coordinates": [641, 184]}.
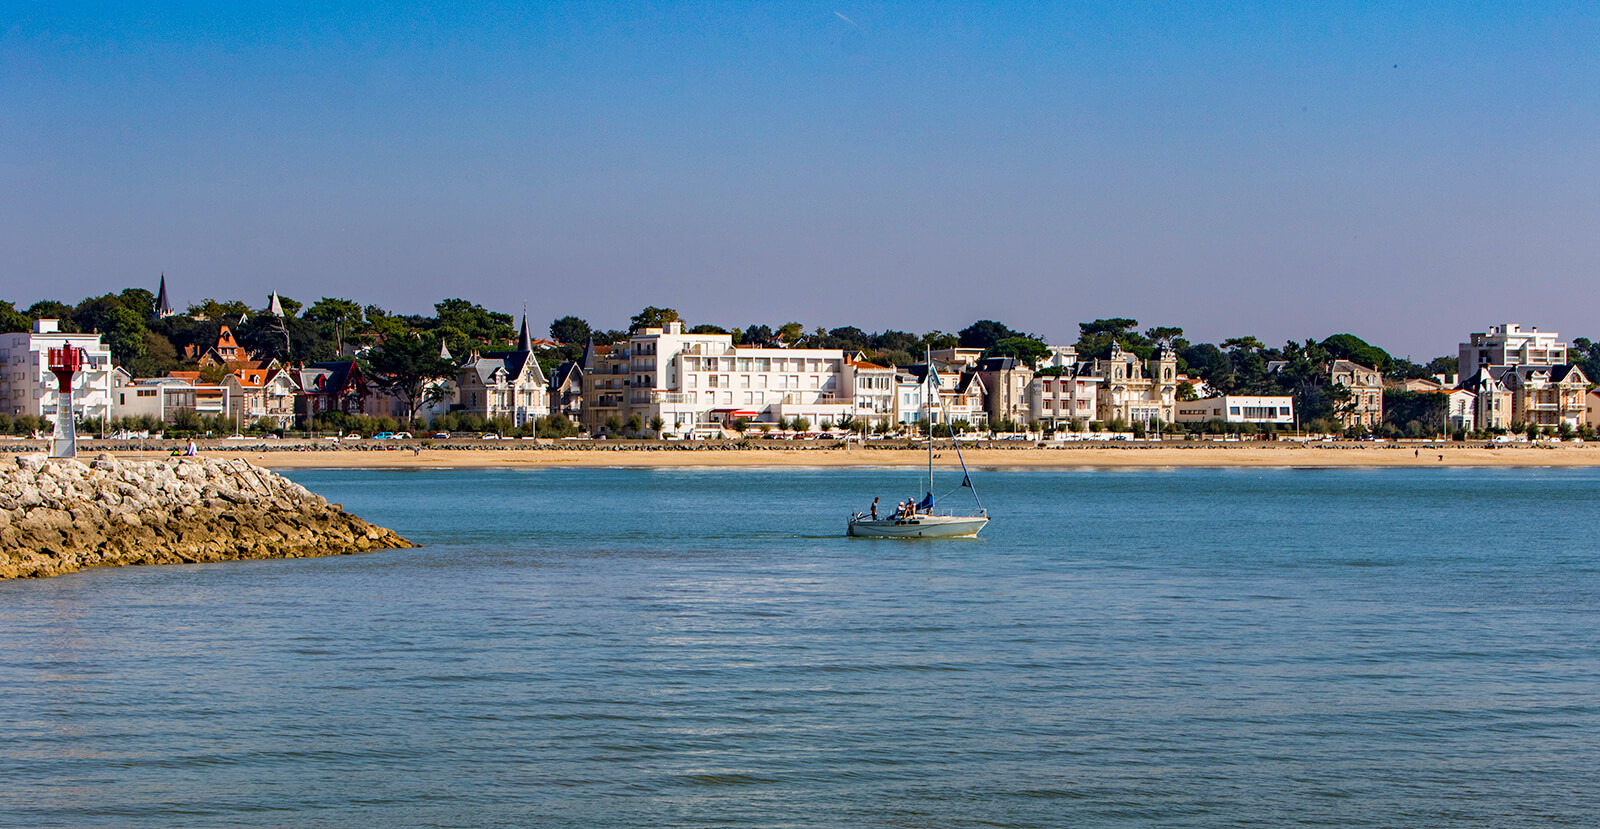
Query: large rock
{"type": "Point", "coordinates": [58, 516]}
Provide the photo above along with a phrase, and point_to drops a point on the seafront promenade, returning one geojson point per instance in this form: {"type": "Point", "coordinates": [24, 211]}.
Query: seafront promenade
{"type": "Point", "coordinates": [472, 453]}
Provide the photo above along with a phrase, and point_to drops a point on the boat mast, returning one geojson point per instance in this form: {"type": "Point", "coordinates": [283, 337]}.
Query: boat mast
{"type": "Point", "coordinates": [926, 416]}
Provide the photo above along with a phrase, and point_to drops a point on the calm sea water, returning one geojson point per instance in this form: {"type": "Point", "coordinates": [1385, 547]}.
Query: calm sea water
{"type": "Point", "coordinates": [704, 648]}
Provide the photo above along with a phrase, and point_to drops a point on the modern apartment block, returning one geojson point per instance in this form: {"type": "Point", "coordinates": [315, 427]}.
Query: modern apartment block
{"type": "Point", "coordinates": [1275, 409]}
{"type": "Point", "coordinates": [1510, 345]}
{"type": "Point", "coordinates": [28, 387]}
{"type": "Point", "coordinates": [1057, 400]}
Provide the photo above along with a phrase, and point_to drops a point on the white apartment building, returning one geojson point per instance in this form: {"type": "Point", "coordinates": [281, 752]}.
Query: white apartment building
{"type": "Point", "coordinates": [703, 382]}
{"type": "Point", "coordinates": [1510, 345]}
{"type": "Point", "coordinates": [1274, 409]}
{"type": "Point", "coordinates": [1058, 400]}
{"type": "Point", "coordinates": [28, 387]}
{"type": "Point", "coordinates": [872, 387]}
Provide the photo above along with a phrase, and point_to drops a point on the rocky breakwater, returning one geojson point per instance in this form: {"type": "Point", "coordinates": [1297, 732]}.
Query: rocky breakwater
{"type": "Point", "coordinates": [59, 516]}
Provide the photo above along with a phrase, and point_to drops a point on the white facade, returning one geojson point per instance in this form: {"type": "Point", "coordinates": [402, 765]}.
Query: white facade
{"type": "Point", "coordinates": [1510, 345]}
{"type": "Point", "coordinates": [28, 387]}
{"type": "Point", "coordinates": [704, 382]}
{"type": "Point", "coordinates": [1059, 400]}
{"type": "Point", "coordinates": [872, 387]}
{"type": "Point", "coordinates": [1274, 409]}
{"type": "Point", "coordinates": [1461, 410]}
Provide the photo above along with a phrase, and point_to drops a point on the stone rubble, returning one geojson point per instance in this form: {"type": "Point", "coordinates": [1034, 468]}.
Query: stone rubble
{"type": "Point", "coordinates": [58, 516]}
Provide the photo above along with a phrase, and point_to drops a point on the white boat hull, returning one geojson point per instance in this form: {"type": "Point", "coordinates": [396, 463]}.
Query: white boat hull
{"type": "Point", "coordinates": [921, 526]}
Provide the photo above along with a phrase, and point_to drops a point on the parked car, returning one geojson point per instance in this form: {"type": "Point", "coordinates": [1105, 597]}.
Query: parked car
{"type": "Point", "coordinates": [383, 436]}
{"type": "Point", "coordinates": [441, 435]}
{"type": "Point", "coordinates": [402, 435]}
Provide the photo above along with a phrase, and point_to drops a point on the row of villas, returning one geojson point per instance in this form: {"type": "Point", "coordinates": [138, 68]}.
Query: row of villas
{"type": "Point", "coordinates": [702, 384]}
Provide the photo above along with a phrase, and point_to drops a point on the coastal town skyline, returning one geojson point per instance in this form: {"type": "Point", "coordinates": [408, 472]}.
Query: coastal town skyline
{"type": "Point", "coordinates": [1243, 169]}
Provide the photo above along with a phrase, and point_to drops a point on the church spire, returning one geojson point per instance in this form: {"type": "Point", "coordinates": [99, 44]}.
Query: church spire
{"type": "Point", "coordinates": [586, 362]}
{"type": "Point", "coordinates": [163, 305]}
{"type": "Point", "coordinates": [524, 342]}
{"type": "Point", "coordinates": [274, 307]}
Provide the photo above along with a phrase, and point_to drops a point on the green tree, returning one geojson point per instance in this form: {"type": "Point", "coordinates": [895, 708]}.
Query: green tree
{"type": "Point", "coordinates": [139, 301]}
{"type": "Point", "coordinates": [213, 310]}
{"type": "Point", "coordinates": [656, 425]}
{"type": "Point", "coordinates": [340, 318]}
{"type": "Point", "coordinates": [707, 328]}
{"type": "Point", "coordinates": [985, 333]}
{"type": "Point", "coordinates": [1026, 349]}
{"type": "Point", "coordinates": [408, 366]}
{"type": "Point", "coordinates": [472, 324]}
{"type": "Point", "coordinates": [651, 317]}
{"type": "Point", "coordinates": [791, 332]}
{"type": "Point", "coordinates": [1095, 338]}
{"type": "Point", "coordinates": [12, 320]}
{"type": "Point", "coordinates": [49, 309]}
{"type": "Point", "coordinates": [123, 329]}
{"type": "Point", "coordinates": [570, 329]}
{"type": "Point", "coordinates": [1353, 348]}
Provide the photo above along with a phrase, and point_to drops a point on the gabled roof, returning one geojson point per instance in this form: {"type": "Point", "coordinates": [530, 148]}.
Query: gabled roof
{"type": "Point", "coordinates": [1000, 364]}
{"type": "Point", "coordinates": [568, 373]}
{"type": "Point", "coordinates": [517, 366]}
{"type": "Point", "coordinates": [333, 377]}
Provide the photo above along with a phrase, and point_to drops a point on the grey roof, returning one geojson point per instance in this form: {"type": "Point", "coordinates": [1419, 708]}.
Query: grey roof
{"type": "Point", "coordinates": [163, 305]}
{"type": "Point", "coordinates": [567, 372]}
{"type": "Point", "coordinates": [524, 341]}
{"type": "Point", "coordinates": [513, 363]}
{"type": "Point", "coordinates": [586, 362]}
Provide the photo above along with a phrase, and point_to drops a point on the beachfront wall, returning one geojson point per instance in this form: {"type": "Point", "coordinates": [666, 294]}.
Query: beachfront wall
{"type": "Point", "coordinates": [1272, 409]}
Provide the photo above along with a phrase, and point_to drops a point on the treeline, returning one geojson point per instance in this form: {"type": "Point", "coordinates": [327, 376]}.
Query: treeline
{"type": "Point", "coordinates": [148, 345]}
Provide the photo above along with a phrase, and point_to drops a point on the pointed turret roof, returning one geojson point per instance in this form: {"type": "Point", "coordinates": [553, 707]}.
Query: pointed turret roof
{"type": "Point", "coordinates": [274, 307]}
{"type": "Point", "coordinates": [163, 305]}
{"type": "Point", "coordinates": [586, 362]}
{"type": "Point", "coordinates": [524, 341]}
{"type": "Point", "coordinates": [444, 351]}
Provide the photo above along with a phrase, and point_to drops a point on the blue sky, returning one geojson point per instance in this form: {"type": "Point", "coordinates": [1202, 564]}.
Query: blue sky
{"type": "Point", "coordinates": [1407, 173]}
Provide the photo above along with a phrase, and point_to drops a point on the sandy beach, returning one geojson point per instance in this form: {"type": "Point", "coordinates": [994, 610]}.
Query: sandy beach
{"type": "Point", "coordinates": [1177, 454]}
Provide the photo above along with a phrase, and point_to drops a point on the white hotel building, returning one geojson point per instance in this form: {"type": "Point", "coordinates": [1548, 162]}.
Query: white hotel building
{"type": "Point", "coordinates": [702, 382]}
{"type": "Point", "coordinates": [28, 387]}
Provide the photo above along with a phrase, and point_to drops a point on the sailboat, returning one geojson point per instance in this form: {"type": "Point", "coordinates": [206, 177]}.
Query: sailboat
{"type": "Point", "coordinates": [922, 520]}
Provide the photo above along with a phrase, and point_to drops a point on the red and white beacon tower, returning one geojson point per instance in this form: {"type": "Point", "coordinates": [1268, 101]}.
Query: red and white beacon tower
{"type": "Point", "coordinates": [64, 363]}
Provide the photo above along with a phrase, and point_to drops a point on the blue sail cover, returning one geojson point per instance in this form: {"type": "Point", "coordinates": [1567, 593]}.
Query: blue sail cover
{"type": "Point", "coordinates": [927, 502]}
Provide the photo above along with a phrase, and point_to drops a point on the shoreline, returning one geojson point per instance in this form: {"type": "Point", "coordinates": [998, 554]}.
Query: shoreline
{"type": "Point", "coordinates": [653, 455]}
